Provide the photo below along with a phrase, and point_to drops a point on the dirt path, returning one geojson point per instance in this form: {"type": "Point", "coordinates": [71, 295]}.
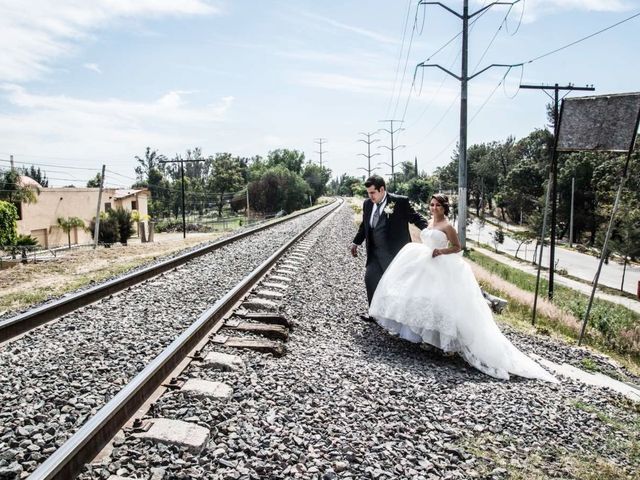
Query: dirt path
{"type": "Point", "coordinates": [25, 285]}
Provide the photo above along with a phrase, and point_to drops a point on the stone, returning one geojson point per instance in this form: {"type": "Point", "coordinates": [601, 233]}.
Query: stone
{"type": "Point", "coordinates": [223, 361]}
{"type": "Point", "coordinates": [175, 432]}
{"type": "Point", "coordinates": [206, 388]}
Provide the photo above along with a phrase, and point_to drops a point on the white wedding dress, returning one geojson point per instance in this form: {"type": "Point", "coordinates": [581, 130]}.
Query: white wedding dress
{"type": "Point", "coordinates": [438, 301]}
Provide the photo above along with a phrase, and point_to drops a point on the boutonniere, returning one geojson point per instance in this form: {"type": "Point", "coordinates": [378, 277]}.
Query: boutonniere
{"type": "Point", "coordinates": [388, 209]}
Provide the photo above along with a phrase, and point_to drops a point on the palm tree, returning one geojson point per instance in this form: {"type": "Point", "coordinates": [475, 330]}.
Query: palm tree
{"type": "Point", "coordinates": [69, 223]}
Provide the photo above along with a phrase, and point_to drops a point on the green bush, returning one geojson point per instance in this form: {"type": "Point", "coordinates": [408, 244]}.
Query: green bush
{"type": "Point", "coordinates": [8, 223]}
{"type": "Point", "coordinates": [124, 222]}
{"type": "Point", "coordinates": [109, 232]}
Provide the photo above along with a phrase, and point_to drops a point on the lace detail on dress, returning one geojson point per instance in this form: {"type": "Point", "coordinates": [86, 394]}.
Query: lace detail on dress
{"type": "Point", "coordinates": [438, 301]}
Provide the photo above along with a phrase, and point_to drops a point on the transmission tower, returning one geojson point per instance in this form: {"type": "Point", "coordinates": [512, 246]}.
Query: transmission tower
{"type": "Point", "coordinates": [392, 148]}
{"type": "Point", "coordinates": [368, 141]}
{"type": "Point", "coordinates": [320, 141]}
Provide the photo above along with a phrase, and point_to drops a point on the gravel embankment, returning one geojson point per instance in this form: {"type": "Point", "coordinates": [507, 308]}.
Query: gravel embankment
{"type": "Point", "coordinates": [54, 378]}
{"type": "Point", "coordinates": [350, 401]}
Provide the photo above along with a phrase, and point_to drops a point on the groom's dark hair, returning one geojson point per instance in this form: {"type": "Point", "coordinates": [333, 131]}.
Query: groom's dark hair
{"type": "Point", "coordinates": [375, 180]}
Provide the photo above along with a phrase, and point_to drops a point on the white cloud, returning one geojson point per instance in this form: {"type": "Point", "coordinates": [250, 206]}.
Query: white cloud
{"type": "Point", "coordinates": [106, 129]}
{"type": "Point", "coordinates": [93, 67]}
{"type": "Point", "coordinates": [35, 33]}
{"type": "Point", "coordinates": [534, 9]}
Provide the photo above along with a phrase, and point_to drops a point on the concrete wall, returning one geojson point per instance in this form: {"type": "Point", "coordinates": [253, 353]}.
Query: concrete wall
{"type": "Point", "coordinates": [40, 219]}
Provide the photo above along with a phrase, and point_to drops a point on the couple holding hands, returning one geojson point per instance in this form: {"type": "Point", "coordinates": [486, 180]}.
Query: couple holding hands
{"type": "Point", "coordinates": [425, 292]}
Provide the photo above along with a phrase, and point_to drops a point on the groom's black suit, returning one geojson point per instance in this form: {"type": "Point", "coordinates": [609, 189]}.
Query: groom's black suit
{"type": "Point", "coordinates": [390, 234]}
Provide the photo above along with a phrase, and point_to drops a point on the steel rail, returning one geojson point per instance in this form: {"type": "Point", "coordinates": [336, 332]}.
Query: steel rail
{"type": "Point", "coordinates": [69, 460]}
{"type": "Point", "coordinates": [16, 325]}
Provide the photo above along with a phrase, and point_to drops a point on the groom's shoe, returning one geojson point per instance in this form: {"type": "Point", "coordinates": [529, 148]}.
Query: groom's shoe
{"type": "Point", "coordinates": [366, 317]}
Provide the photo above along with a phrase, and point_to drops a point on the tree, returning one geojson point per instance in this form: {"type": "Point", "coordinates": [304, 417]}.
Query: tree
{"type": "Point", "coordinates": [226, 177]}
{"type": "Point", "coordinates": [317, 178]}
{"type": "Point", "coordinates": [521, 190]}
{"type": "Point", "coordinates": [35, 173]}
{"type": "Point", "coordinates": [12, 190]}
{"type": "Point", "coordinates": [95, 181]}
{"type": "Point", "coordinates": [347, 186]}
{"type": "Point", "coordinates": [625, 235]}
{"type": "Point", "coordinates": [292, 160]}
{"type": "Point", "coordinates": [278, 189]}
{"type": "Point", "coordinates": [151, 161]}
{"type": "Point", "coordinates": [8, 223]}
{"type": "Point", "coordinates": [497, 237]}
{"type": "Point", "coordinates": [69, 223]}
{"type": "Point", "coordinates": [418, 189]}
{"type": "Point", "coordinates": [522, 237]}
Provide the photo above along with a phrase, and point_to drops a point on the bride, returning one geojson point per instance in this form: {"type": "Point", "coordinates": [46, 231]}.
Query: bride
{"type": "Point", "coordinates": [429, 294]}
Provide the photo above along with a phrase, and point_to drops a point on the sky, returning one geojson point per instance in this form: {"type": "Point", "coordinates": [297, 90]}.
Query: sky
{"type": "Point", "coordinates": [84, 84]}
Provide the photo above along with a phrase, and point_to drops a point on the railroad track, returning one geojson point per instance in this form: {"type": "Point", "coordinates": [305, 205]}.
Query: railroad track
{"type": "Point", "coordinates": [32, 318]}
{"type": "Point", "coordinates": [155, 370]}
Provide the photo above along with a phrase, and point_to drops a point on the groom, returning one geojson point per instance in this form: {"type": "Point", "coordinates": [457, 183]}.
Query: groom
{"type": "Point", "coordinates": [385, 227]}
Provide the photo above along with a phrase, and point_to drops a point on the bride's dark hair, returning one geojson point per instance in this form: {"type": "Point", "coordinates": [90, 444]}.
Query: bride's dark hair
{"type": "Point", "coordinates": [442, 200]}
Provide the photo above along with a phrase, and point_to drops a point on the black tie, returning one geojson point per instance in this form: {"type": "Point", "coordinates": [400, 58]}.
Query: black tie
{"type": "Point", "coordinates": [376, 216]}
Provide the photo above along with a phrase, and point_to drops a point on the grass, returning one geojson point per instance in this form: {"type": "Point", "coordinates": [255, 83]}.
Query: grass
{"type": "Point", "coordinates": [589, 365]}
{"type": "Point", "coordinates": [21, 300]}
{"type": "Point", "coordinates": [561, 272]}
{"type": "Point", "coordinates": [612, 327]}
{"type": "Point", "coordinates": [535, 464]}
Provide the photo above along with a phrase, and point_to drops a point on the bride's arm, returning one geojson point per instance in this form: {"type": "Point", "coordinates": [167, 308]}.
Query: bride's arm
{"type": "Point", "coordinates": [452, 236]}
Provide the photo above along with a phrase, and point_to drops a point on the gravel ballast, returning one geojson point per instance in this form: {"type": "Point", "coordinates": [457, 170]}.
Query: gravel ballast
{"type": "Point", "coordinates": [350, 401]}
{"type": "Point", "coordinates": [58, 375]}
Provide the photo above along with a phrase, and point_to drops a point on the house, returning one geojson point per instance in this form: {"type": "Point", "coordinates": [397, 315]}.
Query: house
{"type": "Point", "coordinates": [40, 219]}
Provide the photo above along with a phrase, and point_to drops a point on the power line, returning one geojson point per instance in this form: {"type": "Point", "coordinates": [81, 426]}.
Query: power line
{"type": "Point", "coordinates": [49, 165]}
{"type": "Point", "coordinates": [404, 72]}
{"type": "Point", "coordinates": [583, 38]}
{"type": "Point", "coordinates": [404, 33]}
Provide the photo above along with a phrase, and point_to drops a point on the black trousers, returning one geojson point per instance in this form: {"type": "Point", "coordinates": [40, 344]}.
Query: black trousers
{"type": "Point", "coordinates": [375, 269]}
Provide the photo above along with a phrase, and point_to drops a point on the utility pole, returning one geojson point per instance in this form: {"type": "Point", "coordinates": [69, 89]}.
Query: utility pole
{"type": "Point", "coordinates": [573, 189]}
{"type": "Point", "coordinates": [320, 141]}
{"type": "Point", "coordinates": [247, 204]}
{"type": "Point", "coordinates": [96, 228]}
{"type": "Point", "coordinates": [554, 167]}
{"type": "Point", "coordinates": [393, 147]}
{"type": "Point", "coordinates": [181, 161]}
{"type": "Point", "coordinates": [368, 141]}
{"type": "Point", "coordinates": [464, 78]}
{"type": "Point", "coordinates": [415, 166]}
{"type": "Point", "coordinates": [11, 162]}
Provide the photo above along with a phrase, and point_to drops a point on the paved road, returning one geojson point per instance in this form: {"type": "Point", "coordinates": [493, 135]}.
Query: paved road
{"type": "Point", "coordinates": [577, 264]}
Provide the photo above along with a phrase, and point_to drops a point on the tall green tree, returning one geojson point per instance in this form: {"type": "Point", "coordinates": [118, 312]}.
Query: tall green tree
{"type": "Point", "coordinates": [95, 181]}
{"type": "Point", "coordinates": [278, 189]}
{"type": "Point", "coordinates": [292, 160]}
{"type": "Point", "coordinates": [226, 177]}
{"type": "Point", "coordinates": [151, 161]}
{"type": "Point", "coordinates": [317, 178]}
{"type": "Point", "coordinates": [38, 175]}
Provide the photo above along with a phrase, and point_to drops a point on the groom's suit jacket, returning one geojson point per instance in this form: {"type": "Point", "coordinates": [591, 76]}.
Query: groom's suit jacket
{"type": "Point", "coordinates": [392, 231]}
